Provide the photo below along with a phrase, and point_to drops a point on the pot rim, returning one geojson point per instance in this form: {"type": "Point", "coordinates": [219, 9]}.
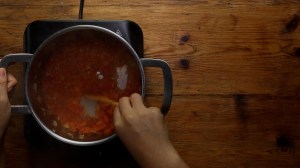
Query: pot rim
{"type": "Point", "coordinates": [48, 40]}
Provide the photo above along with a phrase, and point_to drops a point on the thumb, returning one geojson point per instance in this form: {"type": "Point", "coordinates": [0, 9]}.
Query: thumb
{"type": "Point", "coordinates": [117, 118]}
{"type": "Point", "coordinates": [3, 81]}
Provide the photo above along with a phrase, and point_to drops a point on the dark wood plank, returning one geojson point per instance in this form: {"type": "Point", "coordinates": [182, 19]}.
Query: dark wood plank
{"type": "Point", "coordinates": [235, 130]}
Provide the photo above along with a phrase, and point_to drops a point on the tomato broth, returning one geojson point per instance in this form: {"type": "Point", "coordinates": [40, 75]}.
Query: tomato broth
{"type": "Point", "coordinates": [85, 63]}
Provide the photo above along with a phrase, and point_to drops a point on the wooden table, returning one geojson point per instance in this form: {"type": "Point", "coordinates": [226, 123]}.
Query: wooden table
{"type": "Point", "coordinates": [235, 64]}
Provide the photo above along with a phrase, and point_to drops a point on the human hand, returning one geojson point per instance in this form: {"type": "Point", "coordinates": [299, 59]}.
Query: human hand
{"type": "Point", "coordinates": [7, 83]}
{"type": "Point", "coordinates": [144, 132]}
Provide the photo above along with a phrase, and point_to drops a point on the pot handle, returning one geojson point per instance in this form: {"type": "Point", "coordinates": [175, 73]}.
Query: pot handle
{"type": "Point", "coordinates": [5, 61]}
{"type": "Point", "coordinates": [168, 82]}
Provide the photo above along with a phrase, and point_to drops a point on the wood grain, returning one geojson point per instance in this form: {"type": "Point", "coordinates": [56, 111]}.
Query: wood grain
{"type": "Point", "coordinates": [235, 66]}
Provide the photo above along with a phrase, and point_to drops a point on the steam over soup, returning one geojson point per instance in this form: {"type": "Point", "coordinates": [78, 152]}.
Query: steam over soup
{"type": "Point", "coordinates": [88, 63]}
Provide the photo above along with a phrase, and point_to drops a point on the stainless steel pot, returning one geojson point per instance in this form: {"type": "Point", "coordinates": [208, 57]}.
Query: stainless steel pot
{"type": "Point", "coordinates": [35, 64]}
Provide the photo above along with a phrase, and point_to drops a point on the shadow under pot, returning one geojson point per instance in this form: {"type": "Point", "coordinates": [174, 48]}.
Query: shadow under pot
{"type": "Point", "coordinates": [75, 78]}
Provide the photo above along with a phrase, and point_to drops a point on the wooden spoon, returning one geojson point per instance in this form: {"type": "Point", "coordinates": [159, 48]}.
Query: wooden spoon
{"type": "Point", "coordinates": [101, 99]}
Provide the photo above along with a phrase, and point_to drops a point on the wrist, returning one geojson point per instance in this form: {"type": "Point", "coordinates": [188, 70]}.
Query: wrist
{"type": "Point", "coordinates": [173, 159]}
{"type": "Point", "coordinates": [162, 157]}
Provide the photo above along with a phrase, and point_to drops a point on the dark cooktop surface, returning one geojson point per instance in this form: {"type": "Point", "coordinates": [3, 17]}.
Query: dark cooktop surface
{"type": "Point", "coordinates": [46, 147]}
{"type": "Point", "coordinates": [37, 31]}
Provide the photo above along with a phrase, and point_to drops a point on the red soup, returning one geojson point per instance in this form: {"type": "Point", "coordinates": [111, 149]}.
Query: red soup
{"type": "Point", "coordinates": [72, 71]}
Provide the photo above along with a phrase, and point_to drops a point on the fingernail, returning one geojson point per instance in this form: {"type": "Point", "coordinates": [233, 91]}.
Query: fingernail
{"type": "Point", "coordinates": [2, 72]}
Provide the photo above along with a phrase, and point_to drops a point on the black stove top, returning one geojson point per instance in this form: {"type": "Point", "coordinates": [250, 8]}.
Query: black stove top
{"type": "Point", "coordinates": [40, 30]}
{"type": "Point", "coordinates": [34, 35]}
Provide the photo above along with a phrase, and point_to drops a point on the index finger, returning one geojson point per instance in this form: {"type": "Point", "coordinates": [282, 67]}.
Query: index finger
{"type": "Point", "coordinates": [117, 117]}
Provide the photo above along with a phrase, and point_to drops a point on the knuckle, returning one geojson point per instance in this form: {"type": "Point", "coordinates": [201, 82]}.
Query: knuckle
{"type": "Point", "coordinates": [14, 81]}
{"type": "Point", "coordinates": [129, 118]}
{"type": "Point", "coordinates": [155, 111]}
